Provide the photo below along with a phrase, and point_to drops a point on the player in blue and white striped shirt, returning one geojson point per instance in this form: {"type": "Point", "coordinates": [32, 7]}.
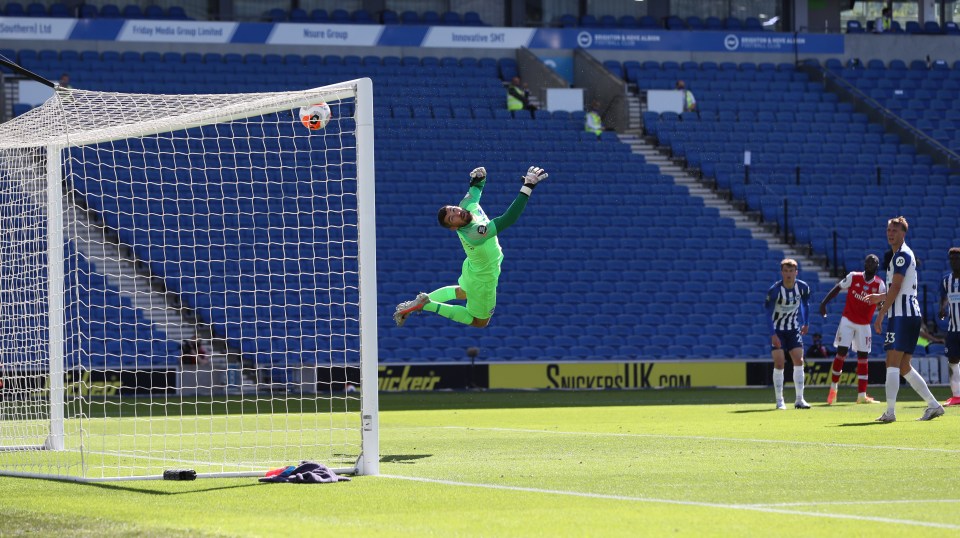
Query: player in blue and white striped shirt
{"type": "Point", "coordinates": [903, 328]}
{"type": "Point", "coordinates": [788, 307]}
{"type": "Point", "coordinates": [950, 310]}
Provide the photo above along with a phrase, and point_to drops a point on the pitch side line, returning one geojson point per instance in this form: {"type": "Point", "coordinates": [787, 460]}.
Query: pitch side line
{"type": "Point", "coordinates": [841, 503]}
{"type": "Point", "coordinates": [702, 438]}
{"type": "Point", "coordinates": [746, 507]}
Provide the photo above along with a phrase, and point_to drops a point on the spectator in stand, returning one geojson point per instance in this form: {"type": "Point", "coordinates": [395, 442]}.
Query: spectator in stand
{"type": "Point", "coordinates": [689, 101]}
{"type": "Point", "coordinates": [885, 22]}
{"type": "Point", "coordinates": [817, 350]}
{"type": "Point", "coordinates": [65, 81]}
{"type": "Point", "coordinates": [592, 122]}
{"type": "Point", "coordinates": [192, 351]}
{"type": "Point", "coordinates": [518, 96]}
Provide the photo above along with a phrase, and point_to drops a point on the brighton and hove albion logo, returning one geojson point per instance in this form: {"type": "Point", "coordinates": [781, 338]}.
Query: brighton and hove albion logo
{"type": "Point", "coordinates": [731, 42]}
{"type": "Point", "coordinates": [584, 39]}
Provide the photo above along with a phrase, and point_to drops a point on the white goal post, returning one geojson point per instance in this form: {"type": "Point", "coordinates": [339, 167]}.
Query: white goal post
{"type": "Point", "coordinates": [188, 286]}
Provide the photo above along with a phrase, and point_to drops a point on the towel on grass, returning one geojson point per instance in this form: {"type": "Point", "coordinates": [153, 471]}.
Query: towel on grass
{"type": "Point", "coordinates": [308, 472]}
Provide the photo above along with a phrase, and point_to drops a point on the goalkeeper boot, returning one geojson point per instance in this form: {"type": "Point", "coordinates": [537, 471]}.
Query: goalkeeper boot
{"type": "Point", "coordinates": [781, 405]}
{"type": "Point", "coordinates": [932, 412]}
{"type": "Point", "coordinates": [406, 308]}
{"type": "Point", "coordinates": [887, 417]}
{"type": "Point", "coordinates": [953, 400]}
{"type": "Point", "coordinates": [801, 404]}
{"type": "Point", "coordinates": [866, 399]}
{"type": "Point", "coordinates": [831, 396]}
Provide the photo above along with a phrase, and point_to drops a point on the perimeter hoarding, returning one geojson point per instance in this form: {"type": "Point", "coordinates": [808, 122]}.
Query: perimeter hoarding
{"type": "Point", "coordinates": [368, 35]}
{"type": "Point", "coordinates": [616, 375]}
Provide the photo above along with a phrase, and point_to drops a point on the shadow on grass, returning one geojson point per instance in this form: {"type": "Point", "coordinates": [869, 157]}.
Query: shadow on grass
{"type": "Point", "coordinates": [117, 487]}
{"type": "Point", "coordinates": [855, 424]}
{"type": "Point", "coordinates": [742, 411]}
{"type": "Point", "coordinates": [404, 458]}
{"type": "Point", "coordinates": [451, 399]}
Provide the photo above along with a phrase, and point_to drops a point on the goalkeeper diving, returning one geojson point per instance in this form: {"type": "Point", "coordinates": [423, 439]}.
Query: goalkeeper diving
{"type": "Point", "coordinates": [481, 269]}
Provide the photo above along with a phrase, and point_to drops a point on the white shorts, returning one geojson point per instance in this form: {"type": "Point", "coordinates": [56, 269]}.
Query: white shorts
{"type": "Point", "coordinates": [853, 336]}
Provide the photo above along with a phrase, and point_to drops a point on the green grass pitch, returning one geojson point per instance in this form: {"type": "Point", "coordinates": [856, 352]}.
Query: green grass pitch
{"type": "Point", "coordinates": [566, 463]}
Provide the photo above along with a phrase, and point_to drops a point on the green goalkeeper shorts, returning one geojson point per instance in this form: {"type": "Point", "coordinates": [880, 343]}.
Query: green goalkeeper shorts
{"type": "Point", "coordinates": [481, 295]}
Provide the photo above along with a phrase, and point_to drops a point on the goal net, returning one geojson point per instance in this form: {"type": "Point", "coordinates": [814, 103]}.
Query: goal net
{"type": "Point", "coordinates": [188, 282]}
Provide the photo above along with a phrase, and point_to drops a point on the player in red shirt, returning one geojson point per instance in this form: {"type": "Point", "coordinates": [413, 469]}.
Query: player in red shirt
{"type": "Point", "coordinates": [854, 329]}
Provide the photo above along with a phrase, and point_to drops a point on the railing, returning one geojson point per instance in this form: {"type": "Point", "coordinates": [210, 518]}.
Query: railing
{"type": "Point", "coordinates": [882, 115]}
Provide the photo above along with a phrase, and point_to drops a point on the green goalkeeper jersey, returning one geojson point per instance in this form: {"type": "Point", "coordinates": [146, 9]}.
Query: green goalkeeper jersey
{"type": "Point", "coordinates": [479, 239]}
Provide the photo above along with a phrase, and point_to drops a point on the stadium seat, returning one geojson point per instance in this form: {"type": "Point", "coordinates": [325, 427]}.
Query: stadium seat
{"type": "Point", "coordinates": [177, 13]}
{"type": "Point", "coordinates": [854, 27]}
{"type": "Point", "coordinates": [472, 18]}
{"type": "Point", "coordinates": [130, 11]}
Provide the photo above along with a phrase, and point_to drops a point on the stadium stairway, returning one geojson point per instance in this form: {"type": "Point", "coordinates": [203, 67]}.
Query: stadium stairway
{"type": "Point", "coordinates": [695, 185]}
{"type": "Point", "coordinates": [727, 208]}
{"type": "Point", "coordinates": [107, 257]}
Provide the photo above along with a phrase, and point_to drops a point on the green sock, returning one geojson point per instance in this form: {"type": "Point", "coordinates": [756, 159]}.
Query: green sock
{"type": "Point", "coordinates": [443, 295]}
{"type": "Point", "coordinates": [455, 312]}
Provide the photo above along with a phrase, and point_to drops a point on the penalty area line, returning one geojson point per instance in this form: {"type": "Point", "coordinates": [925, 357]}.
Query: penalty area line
{"type": "Point", "coordinates": [704, 438]}
{"type": "Point", "coordinates": [744, 507]}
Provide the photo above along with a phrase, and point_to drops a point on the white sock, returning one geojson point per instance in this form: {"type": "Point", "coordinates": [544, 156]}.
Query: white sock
{"type": "Point", "coordinates": [955, 379]}
{"type": "Point", "coordinates": [916, 381]}
{"type": "Point", "coordinates": [892, 387]}
{"type": "Point", "coordinates": [833, 386]}
{"type": "Point", "coordinates": [778, 383]}
{"type": "Point", "coordinates": [798, 381]}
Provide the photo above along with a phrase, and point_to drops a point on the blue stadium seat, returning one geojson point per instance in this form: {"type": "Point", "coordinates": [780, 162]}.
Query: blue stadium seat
{"type": "Point", "coordinates": [177, 13]}
{"type": "Point", "coordinates": [130, 11]}
{"type": "Point", "coordinates": [472, 18]}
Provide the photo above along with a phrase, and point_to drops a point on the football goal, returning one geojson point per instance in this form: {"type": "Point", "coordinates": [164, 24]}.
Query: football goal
{"type": "Point", "coordinates": [188, 283]}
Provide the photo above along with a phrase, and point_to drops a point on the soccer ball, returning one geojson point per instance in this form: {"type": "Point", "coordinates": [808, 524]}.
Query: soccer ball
{"type": "Point", "coordinates": [315, 116]}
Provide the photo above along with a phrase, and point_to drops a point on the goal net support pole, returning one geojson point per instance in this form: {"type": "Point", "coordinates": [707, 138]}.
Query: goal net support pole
{"type": "Point", "coordinates": [369, 462]}
{"type": "Point", "coordinates": [55, 276]}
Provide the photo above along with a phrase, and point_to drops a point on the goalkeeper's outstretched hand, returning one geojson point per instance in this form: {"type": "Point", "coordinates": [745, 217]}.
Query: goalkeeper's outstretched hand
{"type": "Point", "coordinates": [477, 176]}
{"type": "Point", "coordinates": [534, 175]}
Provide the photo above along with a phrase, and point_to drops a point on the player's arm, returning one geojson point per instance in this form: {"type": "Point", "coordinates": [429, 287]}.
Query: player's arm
{"type": "Point", "coordinates": [944, 298]}
{"type": "Point", "coordinates": [769, 304]}
{"type": "Point", "coordinates": [533, 176]}
{"type": "Point", "coordinates": [900, 264]}
{"type": "Point", "coordinates": [804, 309]}
{"type": "Point", "coordinates": [886, 299]}
{"type": "Point", "coordinates": [478, 179]}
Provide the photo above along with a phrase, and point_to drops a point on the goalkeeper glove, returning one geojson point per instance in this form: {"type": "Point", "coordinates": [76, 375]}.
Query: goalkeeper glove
{"type": "Point", "coordinates": [477, 176]}
{"type": "Point", "coordinates": [534, 175]}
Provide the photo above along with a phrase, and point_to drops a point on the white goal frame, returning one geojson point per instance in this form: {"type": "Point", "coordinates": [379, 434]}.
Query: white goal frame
{"type": "Point", "coordinates": [361, 90]}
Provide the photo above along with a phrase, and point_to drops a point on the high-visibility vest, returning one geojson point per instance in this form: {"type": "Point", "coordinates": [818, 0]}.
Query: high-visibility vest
{"type": "Point", "coordinates": [689, 102]}
{"type": "Point", "coordinates": [592, 123]}
{"type": "Point", "coordinates": [512, 102]}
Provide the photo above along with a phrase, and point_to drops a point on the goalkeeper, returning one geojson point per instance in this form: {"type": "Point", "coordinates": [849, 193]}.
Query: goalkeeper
{"type": "Point", "coordinates": [481, 270]}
